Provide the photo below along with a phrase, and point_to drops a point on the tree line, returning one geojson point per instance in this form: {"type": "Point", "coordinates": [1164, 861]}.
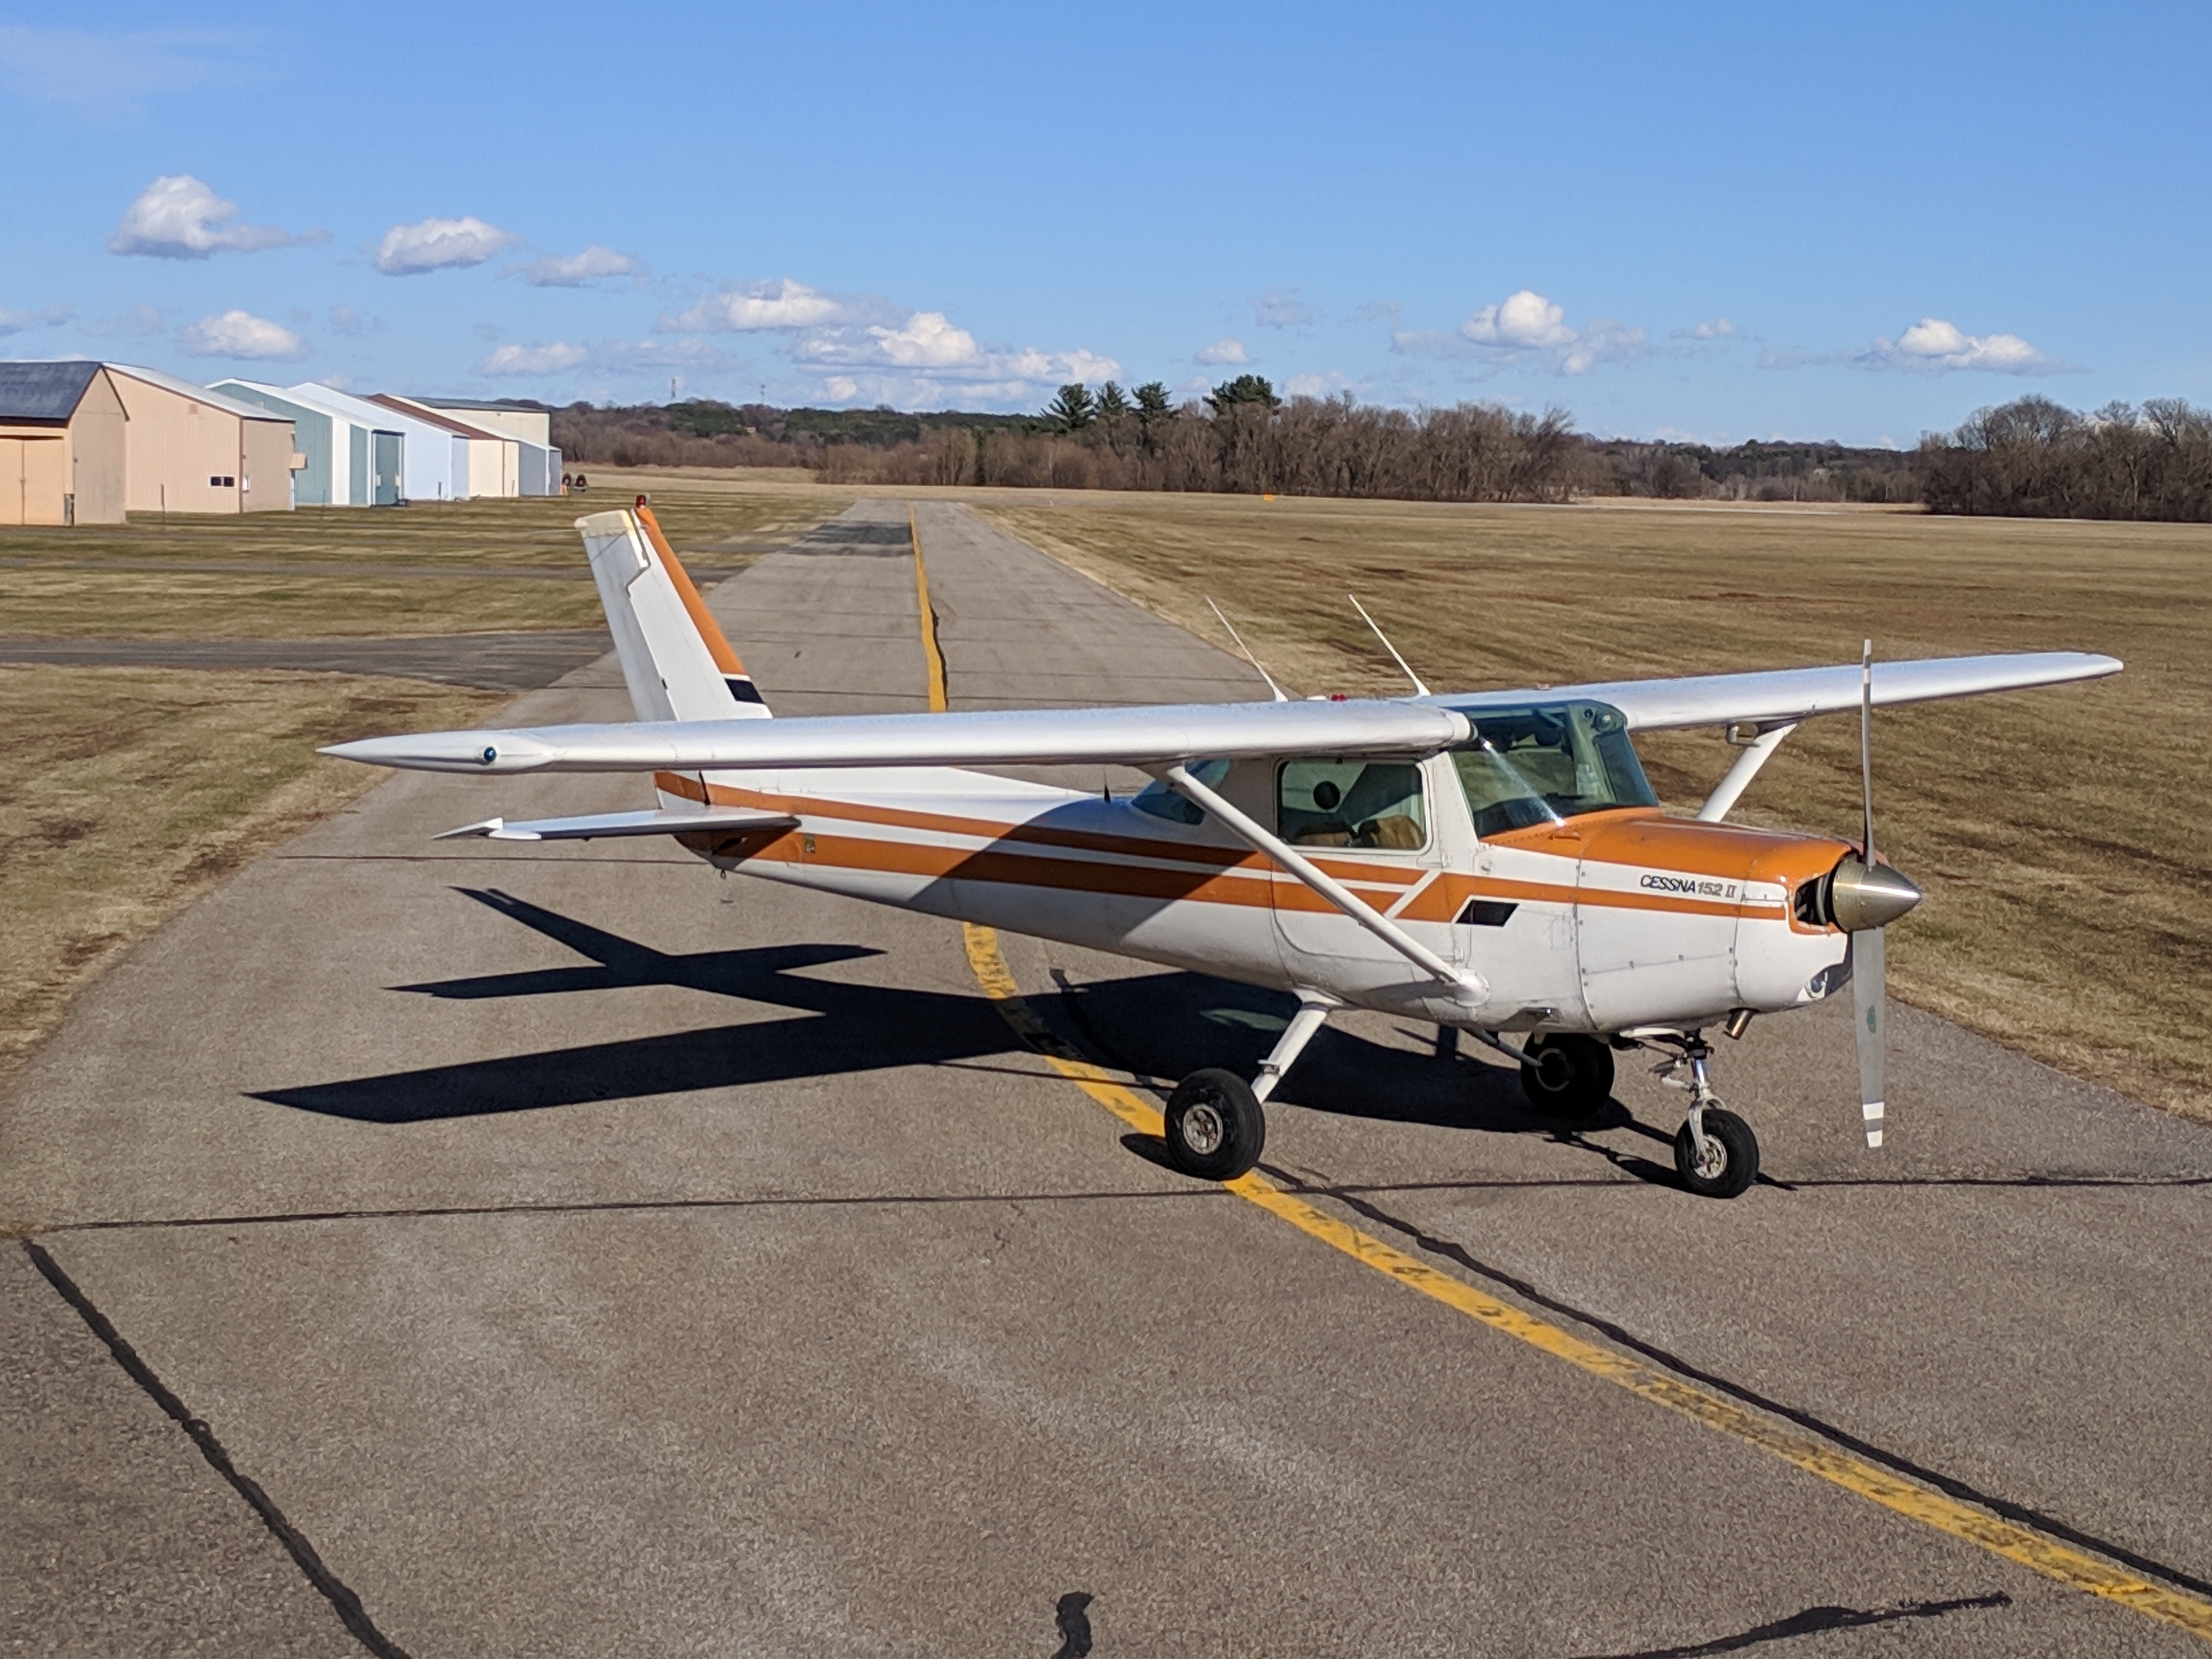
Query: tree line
{"type": "Point", "coordinates": [2031, 457]}
{"type": "Point", "coordinates": [1242, 437]}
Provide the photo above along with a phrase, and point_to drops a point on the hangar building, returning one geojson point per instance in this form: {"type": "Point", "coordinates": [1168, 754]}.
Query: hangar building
{"type": "Point", "coordinates": [533, 428]}
{"type": "Point", "coordinates": [434, 464]}
{"type": "Point", "coordinates": [495, 461]}
{"type": "Point", "coordinates": [61, 445]}
{"type": "Point", "coordinates": [350, 462]}
{"type": "Point", "coordinates": [192, 450]}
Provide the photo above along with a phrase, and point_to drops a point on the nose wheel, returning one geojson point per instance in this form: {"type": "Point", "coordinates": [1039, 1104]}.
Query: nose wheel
{"type": "Point", "coordinates": [1715, 1153]}
{"type": "Point", "coordinates": [1717, 1157]}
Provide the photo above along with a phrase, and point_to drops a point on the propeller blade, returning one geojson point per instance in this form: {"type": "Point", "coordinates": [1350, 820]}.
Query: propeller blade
{"type": "Point", "coordinates": [1870, 1004]}
{"type": "Point", "coordinates": [1866, 746]}
{"type": "Point", "coordinates": [1869, 952]}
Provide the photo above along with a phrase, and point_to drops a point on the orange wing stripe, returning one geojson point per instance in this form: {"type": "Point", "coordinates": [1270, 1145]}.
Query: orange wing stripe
{"type": "Point", "coordinates": [702, 619]}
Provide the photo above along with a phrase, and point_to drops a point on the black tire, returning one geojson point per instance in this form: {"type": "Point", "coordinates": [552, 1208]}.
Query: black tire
{"type": "Point", "coordinates": [1215, 1127]}
{"type": "Point", "coordinates": [1567, 1075]}
{"type": "Point", "coordinates": [1738, 1165]}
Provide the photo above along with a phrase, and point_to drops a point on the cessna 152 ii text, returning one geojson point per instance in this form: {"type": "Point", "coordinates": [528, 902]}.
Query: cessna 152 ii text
{"type": "Point", "coordinates": [1495, 862]}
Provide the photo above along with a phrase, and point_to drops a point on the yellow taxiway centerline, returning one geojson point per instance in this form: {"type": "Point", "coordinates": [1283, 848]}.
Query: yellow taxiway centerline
{"type": "Point", "coordinates": [2059, 1562]}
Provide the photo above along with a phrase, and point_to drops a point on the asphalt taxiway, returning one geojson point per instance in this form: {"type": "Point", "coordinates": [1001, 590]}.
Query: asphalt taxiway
{"type": "Point", "coordinates": [452, 1249]}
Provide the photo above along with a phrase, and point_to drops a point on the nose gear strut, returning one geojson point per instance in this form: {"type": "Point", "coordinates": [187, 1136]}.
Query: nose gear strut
{"type": "Point", "coordinates": [1715, 1153]}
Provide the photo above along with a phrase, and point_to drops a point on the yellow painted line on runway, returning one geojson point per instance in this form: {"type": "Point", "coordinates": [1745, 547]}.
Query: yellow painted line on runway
{"type": "Point", "coordinates": [932, 653]}
{"type": "Point", "coordinates": [2029, 1549]}
{"type": "Point", "coordinates": [2058, 1562]}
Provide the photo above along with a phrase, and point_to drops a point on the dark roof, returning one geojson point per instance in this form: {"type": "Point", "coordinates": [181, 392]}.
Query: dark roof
{"type": "Point", "coordinates": [43, 391]}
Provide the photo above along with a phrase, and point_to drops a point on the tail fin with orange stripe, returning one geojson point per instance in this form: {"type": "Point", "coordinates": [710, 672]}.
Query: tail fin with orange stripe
{"type": "Point", "coordinates": [676, 663]}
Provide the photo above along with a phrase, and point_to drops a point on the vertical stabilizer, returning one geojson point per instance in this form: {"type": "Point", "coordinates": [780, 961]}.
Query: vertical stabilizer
{"type": "Point", "coordinates": [676, 663]}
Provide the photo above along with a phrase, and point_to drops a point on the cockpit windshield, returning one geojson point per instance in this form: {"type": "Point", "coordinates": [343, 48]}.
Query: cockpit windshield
{"type": "Point", "coordinates": [1548, 761]}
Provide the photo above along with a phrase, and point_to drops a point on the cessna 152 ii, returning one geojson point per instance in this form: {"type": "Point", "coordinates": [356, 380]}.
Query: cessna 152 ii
{"type": "Point", "coordinates": [1496, 863]}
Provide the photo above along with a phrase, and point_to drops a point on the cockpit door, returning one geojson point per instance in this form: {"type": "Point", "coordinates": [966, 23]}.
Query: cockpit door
{"type": "Point", "coordinates": [1369, 823]}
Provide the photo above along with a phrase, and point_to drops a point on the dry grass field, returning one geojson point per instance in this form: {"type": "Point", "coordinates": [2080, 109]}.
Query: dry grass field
{"type": "Point", "coordinates": [125, 792]}
{"type": "Point", "coordinates": [2063, 836]}
{"type": "Point", "coordinates": [457, 566]}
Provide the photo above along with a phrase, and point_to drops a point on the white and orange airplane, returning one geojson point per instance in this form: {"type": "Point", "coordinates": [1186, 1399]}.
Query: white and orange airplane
{"type": "Point", "coordinates": [1495, 862]}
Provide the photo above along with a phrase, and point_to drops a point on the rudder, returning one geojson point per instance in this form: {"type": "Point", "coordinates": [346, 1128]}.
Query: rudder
{"type": "Point", "coordinates": [675, 658]}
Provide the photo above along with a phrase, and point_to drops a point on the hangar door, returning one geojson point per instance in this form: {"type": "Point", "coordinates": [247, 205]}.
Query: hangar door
{"type": "Point", "coordinates": [384, 469]}
{"type": "Point", "coordinates": [34, 478]}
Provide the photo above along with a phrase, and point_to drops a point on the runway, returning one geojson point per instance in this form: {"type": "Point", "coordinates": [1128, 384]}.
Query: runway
{"type": "Point", "coordinates": [565, 1251]}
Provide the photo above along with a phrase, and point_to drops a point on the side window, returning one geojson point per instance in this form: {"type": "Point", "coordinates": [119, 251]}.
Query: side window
{"type": "Point", "coordinates": [1159, 802]}
{"type": "Point", "coordinates": [1350, 802]}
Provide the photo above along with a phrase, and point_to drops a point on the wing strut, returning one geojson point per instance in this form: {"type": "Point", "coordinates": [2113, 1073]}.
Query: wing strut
{"type": "Point", "coordinates": [1756, 753]}
{"type": "Point", "coordinates": [1465, 985]}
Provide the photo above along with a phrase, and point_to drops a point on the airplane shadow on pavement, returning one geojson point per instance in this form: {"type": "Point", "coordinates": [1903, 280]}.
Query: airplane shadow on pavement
{"type": "Point", "coordinates": [1161, 1024]}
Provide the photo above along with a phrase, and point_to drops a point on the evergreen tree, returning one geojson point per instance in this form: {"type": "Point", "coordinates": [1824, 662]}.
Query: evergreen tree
{"type": "Point", "coordinates": [1244, 389]}
{"type": "Point", "coordinates": [1073, 409]}
{"type": "Point", "coordinates": [1152, 412]}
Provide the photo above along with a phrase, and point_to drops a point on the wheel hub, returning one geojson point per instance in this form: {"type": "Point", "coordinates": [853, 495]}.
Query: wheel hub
{"type": "Point", "coordinates": [1203, 1130]}
{"type": "Point", "coordinates": [1711, 1158]}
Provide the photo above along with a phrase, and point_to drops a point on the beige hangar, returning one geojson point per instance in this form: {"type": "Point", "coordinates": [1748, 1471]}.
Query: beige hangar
{"type": "Point", "coordinates": [196, 451]}
{"type": "Point", "coordinates": [61, 445]}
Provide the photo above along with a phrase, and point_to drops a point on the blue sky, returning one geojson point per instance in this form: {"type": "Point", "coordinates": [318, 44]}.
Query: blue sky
{"type": "Point", "coordinates": [1710, 222]}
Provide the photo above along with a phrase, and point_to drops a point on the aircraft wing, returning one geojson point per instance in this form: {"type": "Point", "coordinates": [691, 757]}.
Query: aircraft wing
{"type": "Point", "coordinates": [1125, 736]}
{"type": "Point", "coordinates": [1785, 695]}
{"type": "Point", "coordinates": [1165, 734]}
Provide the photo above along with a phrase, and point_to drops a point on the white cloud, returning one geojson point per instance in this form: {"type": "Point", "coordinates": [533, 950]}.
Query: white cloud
{"type": "Point", "coordinates": [1719, 329]}
{"type": "Point", "coordinates": [1525, 328]}
{"type": "Point", "coordinates": [929, 357]}
{"type": "Point", "coordinates": [242, 334]}
{"type": "Point", "coordinates": [440, 244]}
{"type": "Point", "coordinates": [1318, 386]}
{"type": "Point", "coordinates": [575, 270]}
{"type": "Point", "coordinates": [1280, 308]}
{"type": "Point", "coordinates": [784, 305]}
{"type": "Point", "coordinates": [928, 340]}
{"type": "Point", "coordinates": [1223, 350]}
{"type": "Point", "coordinates": [344, 319]}
{"type": "Point", "coordinates": [1521, 322]}
{"type": "Point", "coordinates": [22, 322]}
{"type": "Point", "coordinates": [1935, 346]}
{"type": "Point", "coordinates": [558, 358]}
{"type": "Point", "coordinates": [178, 217]}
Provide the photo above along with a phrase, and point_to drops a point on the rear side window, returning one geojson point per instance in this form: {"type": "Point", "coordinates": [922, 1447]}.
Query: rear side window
{"type": "Point", "coordinates": [1159, 802]}
{"type": "Point", "coordinates": [1370, 804]}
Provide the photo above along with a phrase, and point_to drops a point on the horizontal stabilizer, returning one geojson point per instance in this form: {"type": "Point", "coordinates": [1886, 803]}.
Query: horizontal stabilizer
{"type": "Point", "coordinates": [715, 820]}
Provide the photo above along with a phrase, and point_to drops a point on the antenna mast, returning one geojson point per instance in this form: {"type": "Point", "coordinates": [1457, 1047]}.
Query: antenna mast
{"type": "Point", "coordinates": [1281, 695]}
{"type": "Point", "coordinates": [1419, 688]}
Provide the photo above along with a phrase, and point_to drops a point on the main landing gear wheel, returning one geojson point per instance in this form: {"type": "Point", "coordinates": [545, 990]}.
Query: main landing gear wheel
{"type": "Point", "coordinates": [1730, 1163]}
{"type": "Point", "coordinates": [1215, 1127]}
{"type": "Point", "coordinates": [1566, 1074]}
